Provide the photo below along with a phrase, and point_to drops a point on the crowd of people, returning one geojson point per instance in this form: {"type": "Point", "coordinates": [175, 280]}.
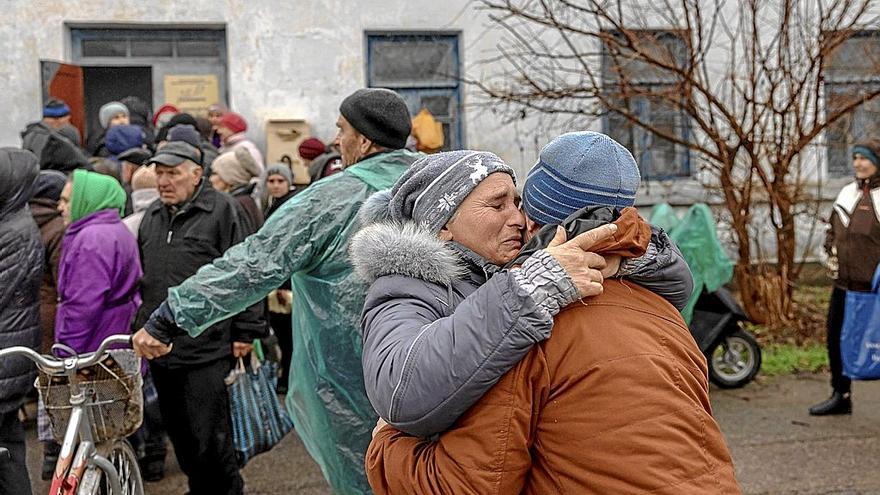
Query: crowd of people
{"type": "Point", "coordinates": [114, 224]}
{"type": "Point", "coordinates": [440, 332]}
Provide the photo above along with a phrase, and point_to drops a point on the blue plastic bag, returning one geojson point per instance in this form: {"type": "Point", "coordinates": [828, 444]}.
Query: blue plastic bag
{"type": "Point", "coordinates": [860, 336]}
{"type": "Point", "coordinates": [259, 421]}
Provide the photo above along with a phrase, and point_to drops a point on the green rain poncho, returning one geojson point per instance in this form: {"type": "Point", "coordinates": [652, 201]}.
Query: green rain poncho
{"type": "Point", "coordinates": [307, 240]}
{"type": "Point", "coordinates": [93, 192]}
{"type": "Point", "coordinates": [697, 239]}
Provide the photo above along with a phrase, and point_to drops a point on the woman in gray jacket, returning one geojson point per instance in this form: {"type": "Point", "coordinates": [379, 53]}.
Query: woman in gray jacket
{"type": "Point", "coordinates": [443, 322]}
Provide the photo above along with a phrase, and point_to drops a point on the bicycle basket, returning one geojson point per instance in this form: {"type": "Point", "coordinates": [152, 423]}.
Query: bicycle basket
{"type": "Point", "coordinates": [114, 401]}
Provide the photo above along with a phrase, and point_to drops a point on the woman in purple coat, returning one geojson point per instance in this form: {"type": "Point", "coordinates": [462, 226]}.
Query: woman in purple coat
{"type": "Point", "coordinates": [100, 266]}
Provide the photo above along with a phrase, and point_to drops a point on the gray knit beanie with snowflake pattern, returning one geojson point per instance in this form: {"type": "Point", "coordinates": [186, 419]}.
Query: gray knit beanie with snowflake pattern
{"type": "Point", "coordinates": [433, 187]}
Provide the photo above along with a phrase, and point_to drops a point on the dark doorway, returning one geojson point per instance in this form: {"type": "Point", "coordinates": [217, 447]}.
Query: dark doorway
{"type": "Point", "coordinates": [106, 84]}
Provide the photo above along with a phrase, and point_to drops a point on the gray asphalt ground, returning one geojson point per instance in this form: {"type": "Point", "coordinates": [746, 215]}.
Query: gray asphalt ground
{"type": "Point", "coordinates": [777, 447]}
{"type": "Point", "coordinates": [780, 449]}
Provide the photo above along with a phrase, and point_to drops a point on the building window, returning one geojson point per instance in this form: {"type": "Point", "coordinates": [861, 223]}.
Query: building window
{"type": "Point", "coordinates": [94, 44]}
{"type": "Point", "coordinates": [850, 73]}
{"type": "Point", "coordinates": [637, 87]}
{"type": "Point", "coordinates": [424, 68]}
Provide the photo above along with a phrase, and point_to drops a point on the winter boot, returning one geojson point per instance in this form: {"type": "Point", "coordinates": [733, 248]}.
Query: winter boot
{"type": "Point", "coordinates": [152, 469]}
{"type": "Point", "coordinates": [50, 458]}
{"type": "Point", "coordinates": [838, 403]}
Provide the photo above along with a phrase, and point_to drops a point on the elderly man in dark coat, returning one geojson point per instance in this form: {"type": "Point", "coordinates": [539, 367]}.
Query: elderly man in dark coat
{"type": "Point", "coordinates": [189, 226]}
{"type": "Point", "coordinates": [21, 271]}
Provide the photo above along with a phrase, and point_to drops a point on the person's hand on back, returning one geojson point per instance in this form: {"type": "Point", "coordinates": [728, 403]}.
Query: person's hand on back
{"type": "Point", "coordinates": [585, 268]}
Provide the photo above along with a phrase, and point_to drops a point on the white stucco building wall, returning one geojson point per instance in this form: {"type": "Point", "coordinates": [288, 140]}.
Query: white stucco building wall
{"type": "Point", "coordinates": [285, 59]}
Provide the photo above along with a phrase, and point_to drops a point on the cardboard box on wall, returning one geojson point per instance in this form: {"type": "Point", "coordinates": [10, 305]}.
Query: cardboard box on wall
{"type": "Point", "coordinates": [283, 137]}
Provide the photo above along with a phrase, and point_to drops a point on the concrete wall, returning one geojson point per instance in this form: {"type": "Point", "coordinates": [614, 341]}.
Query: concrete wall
{"type": "Point", "coordinates": [286, 59]}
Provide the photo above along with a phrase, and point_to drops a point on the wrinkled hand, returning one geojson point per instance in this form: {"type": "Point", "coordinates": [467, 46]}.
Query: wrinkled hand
{"type": "Point", "coordinates": [584, 267]}
{"type": "Point", "coordinates": [147, 346]}
{"type": "Point", "coordinates": [241, 349]}
{"type": "Point", "coordinates": [379, 425]}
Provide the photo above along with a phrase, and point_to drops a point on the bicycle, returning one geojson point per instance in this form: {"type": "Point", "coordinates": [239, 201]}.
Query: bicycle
{"type": "Point", "coordinates": [94, 402]}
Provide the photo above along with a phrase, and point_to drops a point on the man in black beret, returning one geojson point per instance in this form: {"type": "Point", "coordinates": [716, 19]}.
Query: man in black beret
{"type": "Point", "coordinates": [371, 121]}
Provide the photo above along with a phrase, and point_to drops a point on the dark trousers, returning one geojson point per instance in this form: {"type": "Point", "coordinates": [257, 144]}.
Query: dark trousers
{"type": "Point", "coordinates": [839, 382]}
{"type": "Point", "coordinates": [283, 327]}
{"type": "Point", "coordinates": [149, 439]}
{"type": "Point", "coordinates": [13, 471]}
{"type": "Point", "coordinates": [195, 410]}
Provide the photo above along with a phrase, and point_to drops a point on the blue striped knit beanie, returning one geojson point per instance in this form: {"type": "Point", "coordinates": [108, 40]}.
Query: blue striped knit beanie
{"type": "Point", "coordinates": [579, 169]}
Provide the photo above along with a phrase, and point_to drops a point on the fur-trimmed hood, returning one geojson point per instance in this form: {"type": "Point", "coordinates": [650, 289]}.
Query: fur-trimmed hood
{"type": "Point", "coordinates": [392, 248]}
{"type": "Point", "coordinates": [376, 209]}
{"type": "Point", "coordinates": [385, 246]}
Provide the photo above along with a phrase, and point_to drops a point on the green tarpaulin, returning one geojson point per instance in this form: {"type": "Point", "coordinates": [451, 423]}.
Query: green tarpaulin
{"type": "Point", "coordinates": [696, 237]}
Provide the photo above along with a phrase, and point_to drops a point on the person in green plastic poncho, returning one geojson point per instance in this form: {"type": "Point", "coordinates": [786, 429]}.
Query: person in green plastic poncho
{"type": "Point", "coordinates": [306, 240]}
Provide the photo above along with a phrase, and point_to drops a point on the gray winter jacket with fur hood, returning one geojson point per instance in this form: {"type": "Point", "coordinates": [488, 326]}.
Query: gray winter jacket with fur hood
{"type": "Point", "coordinates": [441, 325]}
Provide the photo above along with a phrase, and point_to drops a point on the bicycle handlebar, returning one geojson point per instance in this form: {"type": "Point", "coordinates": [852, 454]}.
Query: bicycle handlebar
{"type": "Point", "coordinates": [50, 363]}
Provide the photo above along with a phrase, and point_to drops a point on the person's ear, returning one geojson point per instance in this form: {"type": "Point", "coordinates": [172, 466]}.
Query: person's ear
{"type": "Point", "coordinates": [197, 173]}
{"type": "Point", "coordinates": [364, 145]}
{"type": "Point", "coordinates": [445, 234]}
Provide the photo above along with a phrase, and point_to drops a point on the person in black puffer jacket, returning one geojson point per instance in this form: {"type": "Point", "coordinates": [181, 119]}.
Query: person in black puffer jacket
{"type": "Point", "coordinates": [21, 272]}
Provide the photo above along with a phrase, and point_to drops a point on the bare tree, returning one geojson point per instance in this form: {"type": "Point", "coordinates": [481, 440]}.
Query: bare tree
{"type": "Point", "coordinates": [746, 76]}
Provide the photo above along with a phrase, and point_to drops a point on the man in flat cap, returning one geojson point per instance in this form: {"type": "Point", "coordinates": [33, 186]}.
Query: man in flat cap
{"type": "Point", "coordinates": [191, 225]}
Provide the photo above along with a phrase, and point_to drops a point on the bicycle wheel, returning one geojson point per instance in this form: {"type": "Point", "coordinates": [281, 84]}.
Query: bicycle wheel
{"type": "Point", "coordinates": [123, 458]}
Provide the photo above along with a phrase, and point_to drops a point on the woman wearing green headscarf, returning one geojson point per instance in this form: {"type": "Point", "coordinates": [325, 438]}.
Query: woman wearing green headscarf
{"type": "Point", "coordinates": [100, 266]}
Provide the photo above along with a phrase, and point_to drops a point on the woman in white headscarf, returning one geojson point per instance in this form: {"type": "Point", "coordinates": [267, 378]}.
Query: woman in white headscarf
{"type": "Point", "coordinates": [232, 172]}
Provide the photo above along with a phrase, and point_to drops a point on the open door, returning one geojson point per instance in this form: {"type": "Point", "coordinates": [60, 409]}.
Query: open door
{"type": "Point", "coordinates": [65, 82]}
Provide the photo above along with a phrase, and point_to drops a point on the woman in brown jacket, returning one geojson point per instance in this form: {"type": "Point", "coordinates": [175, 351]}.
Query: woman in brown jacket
{"type": "Point", "coordinates": [853, 240]}
{"type": "Point", "coordinates": [44, 208]}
